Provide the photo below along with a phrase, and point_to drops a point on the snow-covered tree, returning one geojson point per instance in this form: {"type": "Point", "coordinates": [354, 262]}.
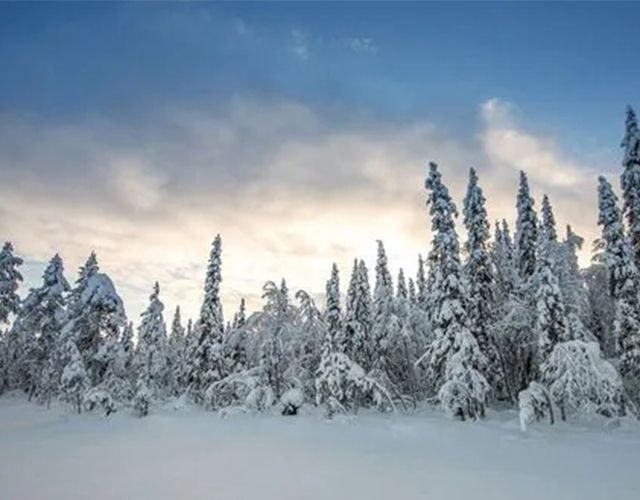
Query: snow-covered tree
{"type": "Point", "coordinates": [75, 380]}
{"type": "Point", "coordinates": [548, 227]}
{"type": "Point", "coordinates": [96, 313]}
{"type": "Point", "coordinates": [333, 312]}
{"type": "Point", "coordinates": [235, 347]}
{"type": "Point", "coordinates": [480, 278]}
{"type": "Point", "coordinates": [358, 323]}
{"type": "Point", "coordinates": [152, 351]}
{"type": "Point", "coordinates": [630, 182]}
{"type": "Point", "coordinates": [453, 361]}
{"type": "Point", "coordinates": [10, 278]}
{"type": "Point", "coordinates": [402, 292]}
{"type": "Point", "coordinates": [421, 284]}
{"type": "Point", "coordinates": [526, 238]}
{"type": "Point", "coordinates": [36, 334]}
{"type": "Point", "coordinates": [206, 362]}
{"type": "Point", "coordinates": [550, 325]}
{"type": "Point", "coordinates": [177, 351]}
{"type": "Point", "coordinates": [623, 277]}
{"type": "Point", "coordinates": [383, 310]}
{"type": "Point", "coordinates": [504, 262]}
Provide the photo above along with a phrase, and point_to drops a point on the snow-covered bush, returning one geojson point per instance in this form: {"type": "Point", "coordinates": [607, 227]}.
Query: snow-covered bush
{"type": "Point", "coordinates": [341, 385]}
{"type": "Point", "coordinates": [96, 398]}
{"type": "Point", "coordinates": [535, 405]}
{"type": "Point", "coordinates": [142, 399]}
{"type": "Point", "coordinates": [581, 382]}
{"type": "Point", "coordinates": [74, 381]}
{"type": "Point", "coordinates": [291, 401]}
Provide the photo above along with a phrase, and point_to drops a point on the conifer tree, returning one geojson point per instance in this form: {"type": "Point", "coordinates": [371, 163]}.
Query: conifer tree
{"type": "Point", "coordinates": [151, 357]}
{"type": "Point", "coordinates": [479, 277]}
{"type": "Point", "coordinates": [333, 314]}
{"type": "Point", "coordinates": [421, 284]}
{"type": "Point", "coordinates": [10, 278]}
{"type": "Point", "coordinates": [623, 281]}
{"type": "Point", "coordinates": [504, 263]}
{"type": "Point", "coordinates": [548, 220]}
{"type": "Point", "coordinates": [526, 231]}
{"type": "Point", "coordinates": [401, 292]}
{"type": "Point", "coordinates": [177, 350]}
{"type": "Point", "coordinates": [359, 317]}
{"type": "Point", "coordinates": [411, 292]}
{"type": "Point", "coordinates": [206, 363]}
{"type": "Point", "coordinates": [630, 182]}
{"type": "Point", "coordinates": [382, 304]}
{"type": "Point", "coordinates": [453, 360]}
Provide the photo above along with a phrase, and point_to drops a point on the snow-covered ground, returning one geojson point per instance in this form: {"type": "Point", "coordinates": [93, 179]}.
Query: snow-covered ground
{"type": "Point", "coordinates": [190, 454]}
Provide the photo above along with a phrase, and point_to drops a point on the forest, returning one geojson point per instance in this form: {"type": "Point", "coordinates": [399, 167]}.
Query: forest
{"type": "Point", "coordinates": [502, 318]}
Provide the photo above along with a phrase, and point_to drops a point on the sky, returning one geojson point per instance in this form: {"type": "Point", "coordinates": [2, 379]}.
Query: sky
{"type": "Point", "coordinates": [298, 131]}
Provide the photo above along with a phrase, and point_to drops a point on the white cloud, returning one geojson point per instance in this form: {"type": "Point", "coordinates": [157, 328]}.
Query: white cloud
{"type": "Point", "coordinates": [289, 191]}
{"type": "Point", "coordinates": [300, 44]}
{"type": "Point", "coordinates": [361, 45]}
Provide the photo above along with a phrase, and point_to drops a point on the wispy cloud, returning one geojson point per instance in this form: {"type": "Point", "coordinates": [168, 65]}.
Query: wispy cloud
{"type": "Point", "coordinates": [300, 44]}
{"type": "Point", "coordinates": [361, 45]}
{"type": "Point", "coordinates": [289, 190]}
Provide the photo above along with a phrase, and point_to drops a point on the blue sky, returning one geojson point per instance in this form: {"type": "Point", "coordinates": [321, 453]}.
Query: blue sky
{"type": "Point", "coordinates": [143, 116]}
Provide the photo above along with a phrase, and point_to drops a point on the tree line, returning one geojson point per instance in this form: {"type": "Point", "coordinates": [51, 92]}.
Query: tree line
{"type": "Point", "coordinates": [503, 319]}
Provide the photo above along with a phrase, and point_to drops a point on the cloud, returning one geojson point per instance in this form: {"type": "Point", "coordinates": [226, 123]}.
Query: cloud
{"type": "Point", "coordinates": [300, 44]}
{"type": "Point", "coordinates": [289, 190]}
{"type": "Point", "coordinates": [361, 45]}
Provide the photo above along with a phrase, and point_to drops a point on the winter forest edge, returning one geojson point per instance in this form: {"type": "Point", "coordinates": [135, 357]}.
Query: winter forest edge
{"type": "Point", "coordinates": [515, 323]}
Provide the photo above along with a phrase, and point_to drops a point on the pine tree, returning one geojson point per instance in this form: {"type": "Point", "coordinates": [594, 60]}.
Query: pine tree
{"type": "Point", "coordinates": [421, 284]}
{"type": "Point", "coordinates": [411, 292]}
{"type": "Point", "coordinates": [504, 263]}
{"type": "Point", "coordinates": [236, 341]}
{"type": "Point", "coordinates": [453, 360]}
{"type": "Point", "coordinates": [206, 363]}
{"type": "Point", "coordinates": [75, 380]}
{"type": "Point", "coordinates": [630, 182]}
{"type": "Point", "coordinates": [526, 231]}
{"type": "Point", "coordinates": [10, 278]}
{"type": "Point", "coordinates": [480, 278]}
{"type": "Point", "coordinates": [623, 281]}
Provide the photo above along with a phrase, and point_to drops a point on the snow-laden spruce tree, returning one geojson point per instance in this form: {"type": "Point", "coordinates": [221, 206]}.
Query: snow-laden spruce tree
{"type": "Point", "coordinates": [206, 359]}
{"type": "Point", "coordinates": [151, 359]}
{"type": "Point", "coordinates": [96, 314]}
{"type": "Point", "coordinates": [411, 292]}
{"type": "Point", "coordinates": [504, 262]}
{"type": "Point", "coordinates": [526, 238]}
{"type": "Point", "coordinates": [37, 330]}
{"type": "Point", "coordinates": [235, 344]}
{"type": "Point", "coordinates": [10, 279]}
{"type": "Point", "coordinates": [382, 313]}
{"type": "Point", "coordinates": [548, 226]}
{"type": "Point", "coordinates": [74, 381]}
{"type": "Point", "coordinates": [550, 324]}
{"type": "Point", "coordinates": [630, 181]}
{"type": "Point", "coordinates": [333, 310]}
{"type": "Point", "coordinates": [480, 279]}
{"type": "Point", "coordinates": [402, 292]}
{"type": "Point", "coordinates": [453, 361]}
{"type": "Point", "coordinates": [623, 285]}
{"type": "Point", "coordinates": [358, 322]}
{"type": "Point", "coordinates": [421, 284]}
{"type": "Point", "coordinates": [177, 350]}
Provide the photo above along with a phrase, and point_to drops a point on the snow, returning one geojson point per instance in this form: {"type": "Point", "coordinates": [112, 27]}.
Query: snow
{"type": "Point", "coordinates": [193, 454]}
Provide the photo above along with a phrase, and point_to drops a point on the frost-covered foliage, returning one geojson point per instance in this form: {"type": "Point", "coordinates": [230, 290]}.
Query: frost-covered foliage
{"type": "Point", "coordinates": [535, 405]}
{"type": "Point", "coordinates": [630, 181]}
{"type": "Point", "coordinates": [10, 278]}
{"type": "Point", "coordinates": [206, 363]}
{"type": "Point", "coordinates": [453, 362]}
{"type": "Point", "coordinates": [526, 238]}
{"type": "Point", "coordinates": [75, 380]}
{"type": "Point", "coordinates": [623, 284]}
{"type": "Point", "coordinates": [480, 279]}
{"type": "Point", "coordinates": [356, 341]}
{"type": "Point", "coordinates": [580, 382]}
{"type": "Point", "coordinates": [152, 361]}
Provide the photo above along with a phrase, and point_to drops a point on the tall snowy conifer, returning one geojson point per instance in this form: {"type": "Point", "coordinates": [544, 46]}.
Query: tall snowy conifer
{"type": "Point", "coordinates": [10, 278]}
{"type": "Point", "coordinates": [453, 360]}
{"type": "Point", "coordinates": [623, 280]}
{"type": "Point", "coordinates": [630, 182]}
{"type": "Point", "coordinates": [479, 276]}
{"type": "Point", "coordinates": [207, 362]}
{"type": "Point", "coordinates": [526, 238]}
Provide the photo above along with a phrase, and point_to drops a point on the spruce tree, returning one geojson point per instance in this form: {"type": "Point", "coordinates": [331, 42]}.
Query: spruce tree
{"type": "Point", "coordinates": [359, 317]}
{"type": "Point", "coordinates": [177, 349]}
{"type": "Point", "coordinates": [548, 220]}
{"type": "Point", "coordinates": [479, 277]}
{"type": "Point", "coordinates": [453, 361]}
{"type": "Point", "coordinates": [333, 314]}
{"type": "Point", "coordinates": [206, 363]}
{"type": "Point", "coordinates": [402, 292]}
{"type": "Point", "coordinates": [421, 284]}
{"type": "Point", "coordinates": [630, 182]}
{"type": "Point", "coordinates": [623, 281]}
{"type": "Point", "coordinates": [152, 353]}
{"type": "Point", "coordinates": [526, 238]}
{"type": "Point", "coordinates": [382, 307]}
{"type": "Point", "coordinates": [10, 278]}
